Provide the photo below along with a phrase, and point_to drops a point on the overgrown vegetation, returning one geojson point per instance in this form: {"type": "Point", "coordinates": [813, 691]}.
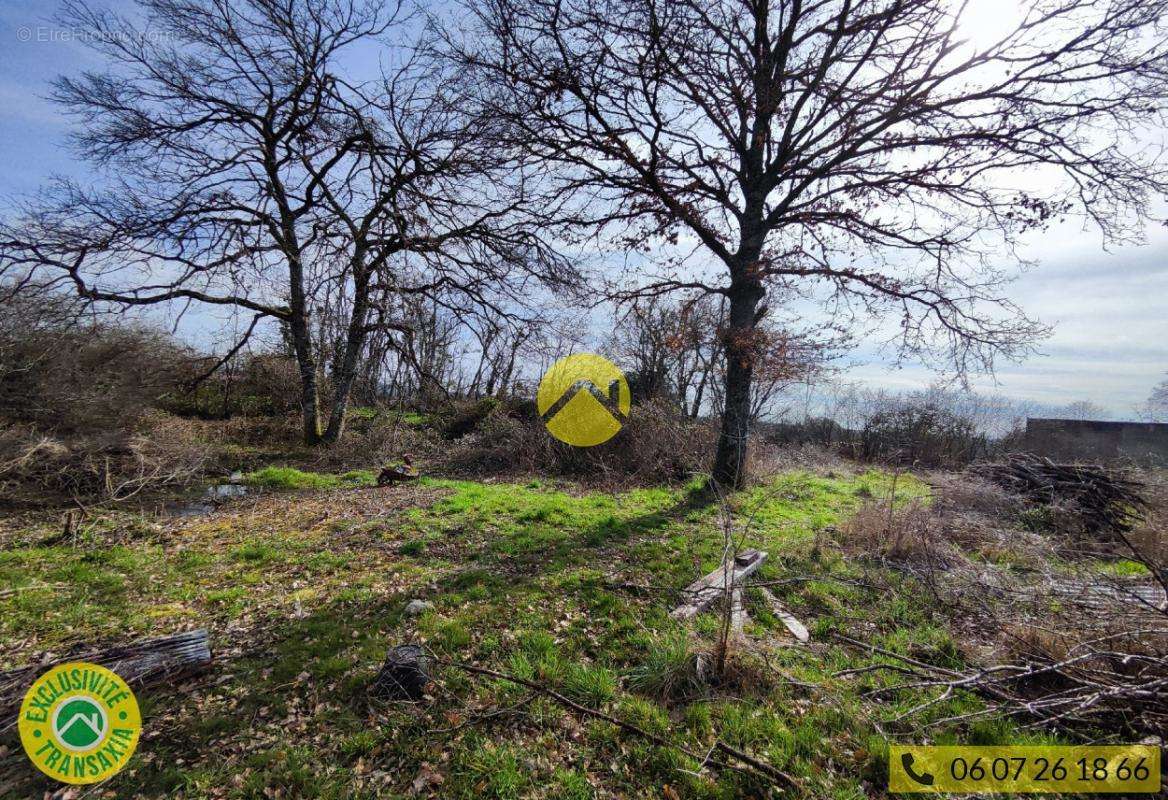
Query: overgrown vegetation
{"type": "Point", "coordinates": [305, 591]}
{"type": "Point", "coordinates": [1066, 621]}
{"type": "Point", "coordinates": [392, 258]}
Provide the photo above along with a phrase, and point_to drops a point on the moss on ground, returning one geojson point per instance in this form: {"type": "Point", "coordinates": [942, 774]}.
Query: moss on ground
{"type": "Point", "coordinates": [292, 478]}
{"type": "Point", "coordinates": [304, 593]}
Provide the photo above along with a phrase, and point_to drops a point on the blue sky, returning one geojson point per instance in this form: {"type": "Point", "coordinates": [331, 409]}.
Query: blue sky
{"type": "Point", "coordinates": [1110, 342]}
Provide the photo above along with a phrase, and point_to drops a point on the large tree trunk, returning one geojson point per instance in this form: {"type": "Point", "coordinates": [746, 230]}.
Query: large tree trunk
{"type": "Point", "coordinates": [298, 310]}
{"type": "Point", "coordinates": [354, 342]}
{"type": "Point", "coordinates": [739, 341]}
{"type": "Point", "coordinates": [305, 357]}
{"type": "Point", "coordinates": [306, 363]}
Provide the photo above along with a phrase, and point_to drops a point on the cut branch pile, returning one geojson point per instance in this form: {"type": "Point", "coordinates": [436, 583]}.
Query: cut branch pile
{"type": "Point", "coordinates": [1098, 685]}
{"type": "Point", "coordinates": [1106, 500]}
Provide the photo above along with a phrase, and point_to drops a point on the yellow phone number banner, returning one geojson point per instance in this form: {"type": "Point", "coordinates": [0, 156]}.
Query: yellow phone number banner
{"type": "Point", "coordinates": [1131, 769]}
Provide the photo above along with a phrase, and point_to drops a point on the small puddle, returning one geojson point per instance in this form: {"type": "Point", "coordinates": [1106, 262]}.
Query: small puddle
{"type": "Point", "coordinates": [206, 503]}
{"type": "Point", "coordinates": [226, 491]}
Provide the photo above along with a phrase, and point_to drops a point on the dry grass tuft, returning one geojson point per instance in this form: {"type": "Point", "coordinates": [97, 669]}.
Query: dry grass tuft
{"type": "Point", "coordinates": [910, 534]}
{"type": "Point", "coordinates": [982, 519]}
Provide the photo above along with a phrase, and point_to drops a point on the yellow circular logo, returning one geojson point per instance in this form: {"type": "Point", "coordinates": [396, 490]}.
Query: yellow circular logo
{"type": "Point", "coordinates": [583, 399]}
{"type": "Point", "coordinates": [79, 723]}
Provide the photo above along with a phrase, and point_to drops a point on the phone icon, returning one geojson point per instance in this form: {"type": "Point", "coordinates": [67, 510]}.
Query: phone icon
{"type": "Point", "coordinates": [906, 761]}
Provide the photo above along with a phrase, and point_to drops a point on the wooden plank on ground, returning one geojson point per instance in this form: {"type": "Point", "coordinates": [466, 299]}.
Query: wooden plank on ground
{"type": "Point", "coordinates": [737, 613]}
{"type": "Point", "coordinates": [700, 594]}
{"type": "Point", "coordinates": [797, 628]}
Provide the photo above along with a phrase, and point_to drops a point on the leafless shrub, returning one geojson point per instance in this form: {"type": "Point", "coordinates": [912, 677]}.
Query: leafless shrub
{"type": "Point", "coordinates": [767, 458]}
{"type": "Point", "coordinates": [249, 432]}
{"type": "Point", "coordinates": [655, 444]}
{"type": "Point", "coordinates": [924, 433]}
{"type": "Point", "coordinates": [374, 443]}
{"type": "Point", "coordinates": [966, 494]}
{"type": "Point", "coordinates": [110, 465]}
{"type": "Point", "coordinates": [78, 398]}
{"type": "Point", "coordinates": [906, 533]}
{"type": "Point", "coordinates": [67, 373]}
{"type": "Point", "coordinates": [982, 519]}
{"type": "Point", "coordinates": [253, 385]}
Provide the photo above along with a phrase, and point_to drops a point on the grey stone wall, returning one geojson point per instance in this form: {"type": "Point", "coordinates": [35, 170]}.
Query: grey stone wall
{"type": "Point", "coordinates": [1089, 440]}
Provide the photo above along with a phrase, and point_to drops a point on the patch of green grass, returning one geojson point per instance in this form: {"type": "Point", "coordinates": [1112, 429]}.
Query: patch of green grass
{"type": "Point", "coordinates": [1124, 568]}
{"type": "Point", "coordinates": [488, 770]}
{"type": "Point", "coordinates": [359, 744]}
{"type": "Point", "coordinates": [327, 561]}
{"type": "Point", "coordinates": [258, 552]}
{"type": "Point", "coordinates": [545, 581]}
{"type": "Point", "coordinates": [667, 670]}
{"type": "Point", "coordinates": [359, 477]}
{"type": "Point", "coordinates": [590, 684]}
{"type": "Point", "coordinates": [363, 412]}
{"type": "Point", "coordinates": [453, 636]}
{"type": "Point", "coordinates": [571, 785]}
{"type": "Point", "coordinates": [289, 478]}
{"type": "Point", "coordinates": [414, 547]}
{"type": "Point", "coordinates": [414, 419]}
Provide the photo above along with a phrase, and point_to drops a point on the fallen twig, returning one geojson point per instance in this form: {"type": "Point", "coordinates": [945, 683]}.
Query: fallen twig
{"type": "Point", "coordinates": [755, 765]}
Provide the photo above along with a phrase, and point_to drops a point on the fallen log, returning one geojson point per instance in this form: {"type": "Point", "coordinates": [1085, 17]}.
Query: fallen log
{"type": "Point", "coordinates": [701, 594]}
{"type": "Point", "coordinates": [141, 663]}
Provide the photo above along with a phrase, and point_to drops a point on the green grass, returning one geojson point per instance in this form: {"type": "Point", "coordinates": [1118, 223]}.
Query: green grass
{"type": "Point", "coordinates": [292, 478]}
{"type": "Point", "coordinates": [668, 669]}
{"type": "Point", "coordinates": [1124, 568]}
{"type": "Point", "coordinates": [364, 413]}
{"type": "Point", "coordinates": [304, 594]}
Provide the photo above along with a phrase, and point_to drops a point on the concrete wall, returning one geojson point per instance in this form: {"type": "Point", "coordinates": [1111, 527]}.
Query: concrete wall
{"type": "Point", "coordinates": [1088, 440]}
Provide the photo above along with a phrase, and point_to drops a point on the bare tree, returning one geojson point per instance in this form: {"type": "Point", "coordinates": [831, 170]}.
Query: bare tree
{"type": "Point", "coordinates": [253, 169]}
{"type": "Point", "coordinates": [1155, 409]}
{"type": "Point", "coordinates": [856, 147]}
{"type": "Point", "coordinates": [1086, 409]}
{"type": "Point", "coordinates": [674, 347]}
{"type": "Point", "coordinates": [499, 342]}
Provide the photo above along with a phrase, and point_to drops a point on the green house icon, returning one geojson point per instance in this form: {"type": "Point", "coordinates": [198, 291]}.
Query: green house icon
{"type": "Point", "coordinates": [79, 723]}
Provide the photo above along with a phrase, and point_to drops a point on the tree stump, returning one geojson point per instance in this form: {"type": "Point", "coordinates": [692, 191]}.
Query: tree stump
{"type": "Point", "coordinates": [403, 676]}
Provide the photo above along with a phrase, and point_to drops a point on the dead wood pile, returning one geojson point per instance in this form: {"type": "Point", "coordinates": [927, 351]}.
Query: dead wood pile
{"type": "Point", "coordinates": [1106, 500]}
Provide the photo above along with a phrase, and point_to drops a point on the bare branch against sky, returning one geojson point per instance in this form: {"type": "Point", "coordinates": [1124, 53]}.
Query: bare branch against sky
{"type": "Point", "coordinates": [250, 168]}
{"type": "Point", "coordinates": [1109, 342]}
{"type": "Point", "coordinates": [861, 147]}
